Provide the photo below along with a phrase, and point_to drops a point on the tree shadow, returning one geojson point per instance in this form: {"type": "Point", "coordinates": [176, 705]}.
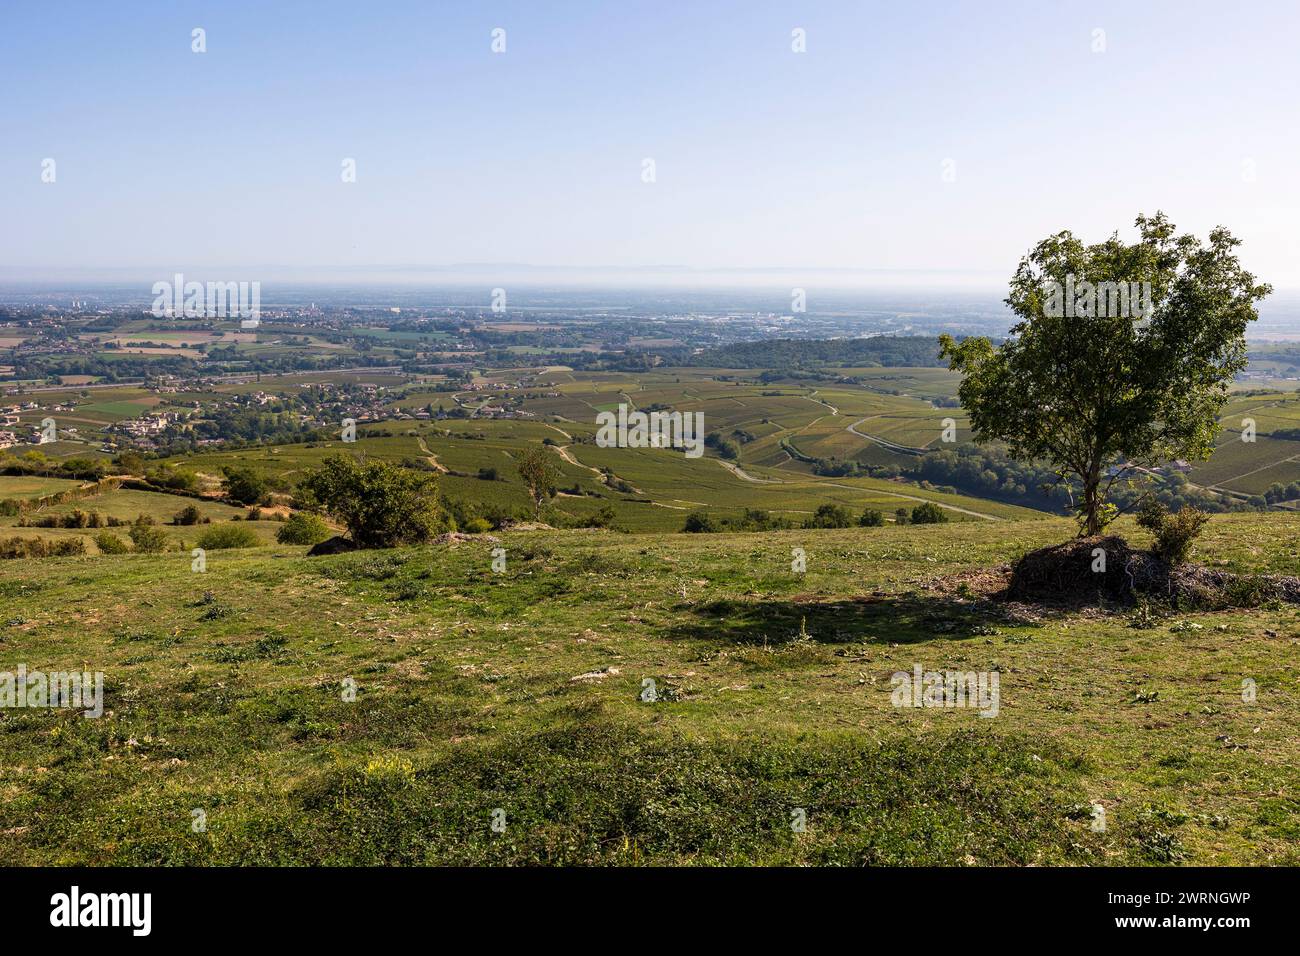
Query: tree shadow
{"type": "Point", "coordinates": [899, 619]}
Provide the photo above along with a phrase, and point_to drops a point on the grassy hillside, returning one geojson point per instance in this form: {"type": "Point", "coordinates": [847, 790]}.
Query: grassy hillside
{"type": "Point", "coordinates": [521, 691]}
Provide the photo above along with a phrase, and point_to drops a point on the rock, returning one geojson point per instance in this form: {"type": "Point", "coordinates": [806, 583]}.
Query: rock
{"type": "Point", "coordinates": [456, 537]}
{"type": "Point", "coordinates": [597, 675]}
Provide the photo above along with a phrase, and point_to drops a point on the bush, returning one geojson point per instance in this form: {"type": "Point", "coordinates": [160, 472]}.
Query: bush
{"type": "Point", "coordinates": [222, 536]}
{"type": "Point", "coordinates": [146, 537]}
{"type": "Point", "coordinates": [109, 543]}
{"type": "Point", "coordinates": [41, 548]}
{"type": "Point", "coordinates": [929, 513]}
{"type": "Point", "coordinates": [382, 504]}
{"type": "Point", "coordinates": [188, 515]}
{"type": "Point", "coordinates": [872, 519]}
{"type": "Point", "coordinates": [1174, 533]}
{"type": "Point", "coordinates": [246, 485]}
{"type": "Point", "coordinates": [698, 522]}
{"type": "Point", "coordinates": [303, 528]}
{"type": "Point", "coordinates": [829, 516]}
{"type": "Point", "coordinates": [477, 526]}
{"type": "Point", "coordinates": [900, 516]}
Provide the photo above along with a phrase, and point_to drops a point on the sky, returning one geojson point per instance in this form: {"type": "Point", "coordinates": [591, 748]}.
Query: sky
{"type": "Point", "coordinates": [933, 140]}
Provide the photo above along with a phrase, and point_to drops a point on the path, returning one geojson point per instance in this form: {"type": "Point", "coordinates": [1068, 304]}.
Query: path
{"type": "Point", "coordinates": [430, 457]}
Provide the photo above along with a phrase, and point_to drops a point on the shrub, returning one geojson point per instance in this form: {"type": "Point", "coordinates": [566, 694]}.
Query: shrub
{"type": "Point", "coordinates": [872, 519]}
{"type": "Point", "coordinates": [829, 516]}
{"type": "Point", "coordinates": [41, 548]}
{"type": "Point", "coordinates": [188, 515]}
{"type": "Point", "coordinates": [929, 513]}
{"type": "Point", "coordinates": [698, 522]}
{"type": "Point", "coordinates": [900, 516]}
{"type": "Point", "coordinates": [302, 528]}
{"type": "Point", "coordinates": [109, 543]}
{"type": "Point", "coordinates": [146, 537]}
{"type": "Point", "coordinates": [222, 536]}
{"type": "Point", "coordinates": [246, 485]}
{"type": "Point", "coordinates": [1174, 533]}
{"type": "Point", "coordinates": [382, 504]}
{"type": "Point", "coordinates": [477, 526]}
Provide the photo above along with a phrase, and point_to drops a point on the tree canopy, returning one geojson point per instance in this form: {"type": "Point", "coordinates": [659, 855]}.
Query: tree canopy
{"type": "Point", "coordinates": [382, 504]}
{"type": "Point", "coordinates": [1121, 359]}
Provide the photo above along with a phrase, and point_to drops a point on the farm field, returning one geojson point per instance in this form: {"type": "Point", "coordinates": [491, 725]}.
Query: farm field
{"type": "Point", "coordinates": [873, 416]}
{"type": "Point", "coordinates": [522, 690]}
{"type": "Point", "coordinates": [32, 486]}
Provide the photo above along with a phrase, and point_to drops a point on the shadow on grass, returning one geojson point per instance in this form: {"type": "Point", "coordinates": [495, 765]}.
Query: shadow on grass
{"type": "Point", "coordinates": [888, 620]}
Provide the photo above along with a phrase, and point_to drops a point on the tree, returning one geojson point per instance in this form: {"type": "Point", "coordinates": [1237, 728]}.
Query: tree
{"type": "Point", "coordinates": [929, 513]}
{"type": "Point", "coordinates": [539, 477]}
{"type": "Point", "coordinates": [871, 518]}
{"type": "Point", "coordinates": [380, 503]}
{"type": "Point", "coordinates": [829, 516]}
{"type": "Point", "coordinates": [246, 485]}
{"type": "Point", "coordinates": [1121, 358]}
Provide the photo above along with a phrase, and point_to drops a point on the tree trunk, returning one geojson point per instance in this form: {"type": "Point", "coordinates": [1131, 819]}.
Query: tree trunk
{"type": "Point", "coordinates": [1092, 502]}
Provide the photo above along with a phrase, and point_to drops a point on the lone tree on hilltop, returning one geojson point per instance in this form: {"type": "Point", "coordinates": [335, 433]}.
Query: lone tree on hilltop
{"type": "Point", "coordinates": [1121, 358]}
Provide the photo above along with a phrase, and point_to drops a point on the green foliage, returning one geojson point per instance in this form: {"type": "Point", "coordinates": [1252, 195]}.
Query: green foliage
{"type": "Point", "coordinates": [1086, 391]}
{"type": "Point", "coordinates": [222, 536]}
{"type": "Point", "coordinates": [246, 485]}
{"type": "Point", "coordinates": [302, 528]}
{"type": "Point", "coordinates": [381, 504]}
{"type": "Point", "coordinates": [188, 515]}
{"type": "Point", "coordinates": [146, 536]}
{"type": "Point", "coordinates": [929, 513]}
{"type": "Point", "coordinates": [871, 518]}
{"type": "Point", "coordinates": [1174, 533]}
{"type": "Point", "coordinates": [109, 543]}
{"type": "Point", "coordinates": [539, 476]}
{"type": "Point", "coordinates": [699, 522]}
{"type": "Point", "coordinates": [830, 516]}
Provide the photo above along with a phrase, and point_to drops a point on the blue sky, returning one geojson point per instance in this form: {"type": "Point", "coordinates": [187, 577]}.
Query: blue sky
{"type": "Point", "coordinates": [764, 159]}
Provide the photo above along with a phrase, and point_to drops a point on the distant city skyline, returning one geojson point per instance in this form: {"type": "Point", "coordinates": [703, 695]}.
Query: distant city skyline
{"type": "Point", "coordinates": [835, 143]}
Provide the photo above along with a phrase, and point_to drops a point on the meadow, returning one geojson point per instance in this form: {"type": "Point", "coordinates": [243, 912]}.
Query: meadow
{"type": "Point", "coordinates": [520, 695]}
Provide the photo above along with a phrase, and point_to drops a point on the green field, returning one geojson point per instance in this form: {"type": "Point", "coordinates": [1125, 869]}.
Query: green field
{"type": "Point", "coordinates": [523, 691]}
{"type": "Point", "coordinates": [33, 486]}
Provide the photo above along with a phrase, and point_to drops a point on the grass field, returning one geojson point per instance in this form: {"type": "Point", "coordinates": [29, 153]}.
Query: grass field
{"type": "Point", "coordinates": [33, 486]}
{"type": "Point", "coordinates": [523, 692]}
